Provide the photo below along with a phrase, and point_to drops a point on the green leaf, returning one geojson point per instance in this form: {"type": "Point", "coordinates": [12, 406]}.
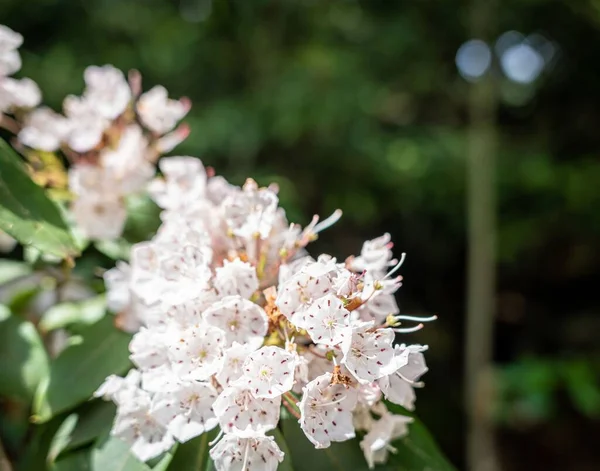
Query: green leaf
{"type": "Point", "coordinates": [26, 213]}
{"type": "Point", "coordinates": [162, 462]}
{"type": "Point", "coordinates": [304, 457]}
{"type": "Point", "coordinates": [118, 249]}
{"type": "Point", "coordinates": [35, 454]}
{"type": "Point", "coordinates": [286, 464]}
{"type": "Point", "coordinates": [418, 450]}
{"type": "Point", "coordinates": [415, 452]}
{"type": "Point", "coordinates": [88, 311]}
{"type": "Point", "coordinates": [78, 461]}
{"type": "Point", "coordinates": [95, 421]}
{"type": "Point", "coordinates": [62, 437]}
{"type": "Point", "coordinates": [22, 356]}
{"type": "Point", "coordinates": [143, 218]}
{"type": "Point", "coordinates": [113, 454]}
{"type": "Point", "coordinates": [193, 454]}
{"type": "Point", "coordinates": [80, 369]}
{"type": "Point", "coordinates": [12, 269]}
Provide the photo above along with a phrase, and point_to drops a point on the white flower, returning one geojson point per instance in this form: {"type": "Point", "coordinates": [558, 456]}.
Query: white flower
{"type": "Point", "coordinates": [377, 443]}
{"type": "Point", "coordinates": [189, 312]}
{"type": "Point", "coordinates": [10, 62]}
{"type": "Point", "coordinates": [118, 389]}
{"type": "Point", "coordinates": [233, 361]}
{"type": "Point", "coordinates": [196, 352]}
{"type": "Point", "coordinates": [188, 265]}
{"type": "Point", "coordinates": [241, 320]}
{"type": "Point", "coordinates": [311, 282]}
{"type": "Point", "coordinates": [251, 213]}
{"type": "Point", "coordinates": [117, 286]}
{"type": "Point", "coordinates": [184, 182]}
{"type": "Point", "coordinates": [268, 372]}
{"type": "Point", "coordinates": [158, 112]}
{"type": "Point", "coordinates": [236, 277]}
{"type": "Point", "coordinates": [18, 93]}
{"type": "Point", "coordinates": [368, 394]}
{"type": "Point", "coordinates": [326, 411]}
{"type": "Point", "coordinates": [258, 453]}
{"type": "Point", "coordinates": [136, 425]}
{"type": "Point", "coordinates": [148, 349]}
{"type": "Point", "coordinates": [327, 321]}
{"type": "Point", "coordinates": [102, 219]}
{"type": "Point", "coordinates": [44, 129]}
{"type": "Point", "coordinates": [9, 39]}
{"type": "Point", "coordinates": [398, 386]}
{"type": "Point", "coordinates": [369, 354]}
{"type": "Point", "coordinates": [86, 125]}
{"type": "Point", "coordinates": [241, 413]}
{"type": "Point", "coordinates": [378, 307]}
{"type": "Point", "coordinates": [128, 163]}
{"type": "Point", "coordinates": [131, 312]}
{"type": "Point", "coordinates": [186, 412]}
{"type": "Point", "coordinates": [375, 256]}
{"type": "Point", "coordinates": [107, 90]}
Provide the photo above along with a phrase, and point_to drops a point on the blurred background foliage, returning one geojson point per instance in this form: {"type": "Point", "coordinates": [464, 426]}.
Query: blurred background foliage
{"type": "Point", "coordinates": [358, 104]}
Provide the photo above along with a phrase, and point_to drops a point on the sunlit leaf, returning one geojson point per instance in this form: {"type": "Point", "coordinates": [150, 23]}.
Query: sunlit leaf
{"type": "Point", "coordinates": [22, 356]}
{"type": "Point", "coordinates": [88, 311]}
{"type": "Point", "coordinates": [26, 213]}
{"type": "Point", "coordinates": [78, 371]}
{"type": "Point", "coordinates": [111, 453]}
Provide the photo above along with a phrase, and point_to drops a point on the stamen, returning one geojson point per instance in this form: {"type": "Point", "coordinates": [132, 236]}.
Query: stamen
{"type": "Point", "coordinates": [408, 330]}
{"type": "Point", "coordinates": [415, 318]}
{"type": "Point", "coordinates": [395, 269]}
{"type": "Point", "coordinates": [246, 455]}
{"type": "Point", "coordinates": [332, 402]}
{"type": "Point", "coordinates": [330, 221]}
{"type": "Point", "coordinates": [217, 438]}
{"type": "Point", "coordinates": [416, 384]}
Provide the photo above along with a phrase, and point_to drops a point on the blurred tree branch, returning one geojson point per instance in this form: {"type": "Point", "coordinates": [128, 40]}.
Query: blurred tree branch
{"type": "Point", "coordinates": [481, 207]}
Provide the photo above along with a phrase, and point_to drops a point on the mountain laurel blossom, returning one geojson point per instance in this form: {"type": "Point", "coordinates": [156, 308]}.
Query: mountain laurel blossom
{"type": "Point", "coordinates": [232, 320]}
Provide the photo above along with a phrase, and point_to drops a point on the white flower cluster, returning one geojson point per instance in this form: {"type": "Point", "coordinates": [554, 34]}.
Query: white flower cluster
{"type": "Point", "coordinates": [233, 321]}
{"type": "Point", "coordinates": [15, 94]}
{"type": "Point", "coordinates": [112, 135]}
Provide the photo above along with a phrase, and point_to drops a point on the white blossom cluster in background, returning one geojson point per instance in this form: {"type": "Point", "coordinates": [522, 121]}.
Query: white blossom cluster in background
{"type": "Point", "coordinates": [112, 135]}
{"type": "Point", "coordinates": [16, 95]}
{"type": "Point", "coordinates": [233, 321]}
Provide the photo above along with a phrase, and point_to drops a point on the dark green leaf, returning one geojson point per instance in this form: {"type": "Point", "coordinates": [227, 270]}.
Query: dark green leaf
{"type": "Point", "coordinates": [78, 371]}
{"type": "Point", "coordinates": [62, 437]}
{"type": "Point", "coordinates": [35, 454]}
{"type": "Point", "coordinates": [193, 454]}
{"type": "Point", "coordinates": [88, 311]}
{"type": "Point", "coordinates": [95, 421]}
{"type": "Point", "coordinates": [26, 213]}
{"type": "Point", "coordinates": [304, 457]}
{"type": "Point", "coordinates": [286, 464]}
{"type": "Point", "coordinates": [162, 462]}
{"type": "Point", "coordinates": [22, 356]}
{"type": "Point", "coordinates": [416, 452]}
{"type": "Point", "coordinates": [143, 218]}
{"type": "Point", "coordinates": [78, 461]}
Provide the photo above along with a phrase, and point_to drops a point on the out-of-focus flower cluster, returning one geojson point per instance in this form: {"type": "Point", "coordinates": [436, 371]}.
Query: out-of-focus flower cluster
{"type": "Point", "coordinates": [16, 95]}
{"type": "Point", "coordinates": [233, 321]}
{"type": "Point", "coordinates": [112, 135]}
